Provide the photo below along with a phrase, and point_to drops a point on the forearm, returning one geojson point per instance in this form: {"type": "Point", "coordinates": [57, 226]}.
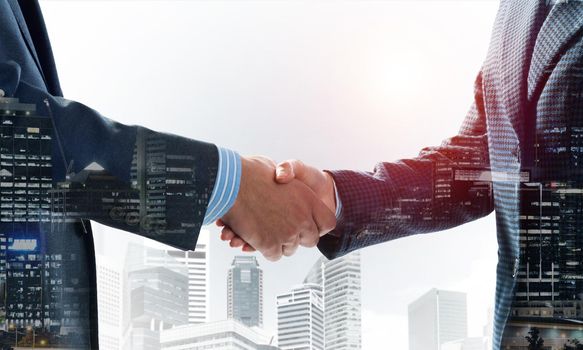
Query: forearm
{"type": "Point", "coordinates": [399, 199]}
{"type": "Point", "coordinates": [154, 184]}
{"type": "Point", "coordinates": [423, 194]}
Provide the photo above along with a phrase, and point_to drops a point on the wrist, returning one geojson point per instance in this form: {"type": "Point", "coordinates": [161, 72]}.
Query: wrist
{"type": "Point", "coordinates": [252, 170]}
{"type": "Point", "coordinates": [329, 194]}
{"type": "Point", "coordinates": [243, 186]}
{"type": "Point", "coordinates": [226, 186]}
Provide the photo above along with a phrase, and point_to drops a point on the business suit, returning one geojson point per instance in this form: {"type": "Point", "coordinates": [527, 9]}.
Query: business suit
{"type": "Point", "coordinates": [97, 169]}
{"type": "Point", "coordinates": [523, 128]}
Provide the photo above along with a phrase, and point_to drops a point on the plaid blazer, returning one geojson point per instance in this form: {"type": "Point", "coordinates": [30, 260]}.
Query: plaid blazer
{"type": "Point", "coordinates": [522, 127]}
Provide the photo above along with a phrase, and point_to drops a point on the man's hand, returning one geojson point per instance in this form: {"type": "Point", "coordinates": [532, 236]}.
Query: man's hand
{"type": "Point", "coordinates": [319, 181]}
{"type": "Point", "coordinates": [274, 218]}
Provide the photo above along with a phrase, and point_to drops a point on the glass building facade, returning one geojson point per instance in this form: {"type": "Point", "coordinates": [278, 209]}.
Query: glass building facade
{"type": "Point", "coordinates": [245, 291]}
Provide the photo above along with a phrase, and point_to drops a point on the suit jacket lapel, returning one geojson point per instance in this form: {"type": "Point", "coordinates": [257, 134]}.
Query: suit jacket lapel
{"type": "Point", "coordinates": [26, 35]}
{"type": "Point", "coordinates": [520, 29]}
{"type": "Point", "coordinates": [561, 26]}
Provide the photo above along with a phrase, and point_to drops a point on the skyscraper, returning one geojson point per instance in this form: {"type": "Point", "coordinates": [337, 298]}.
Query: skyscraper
{"type": "Point", "coordinates": [158, 287]}
{"type": "Point", "coordinates": [550, 275]}
{"type": "Point", "coordinates": [245, 291]}
{"type": "Point", "coordinates": [437, 317]}
{"type": "Point", "coordinates": [25, 175]}
{"type": "Point", "coordinates": [549, 272]}
{"type": "Point", "coordinates": [340, 280]}
{"type": "Point", "coordinates": [300, 318]}
{"type": "Point", "coordinates": [196, 265]}
{"type": "Point", "coordinates": [159, 298]}
{"type": "Point", "coordinates": [155, 288]}
{"type": "Point", "coordinates": [113, 304]}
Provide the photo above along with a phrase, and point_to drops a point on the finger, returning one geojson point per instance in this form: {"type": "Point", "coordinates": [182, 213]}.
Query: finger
{"type": "Point", "coordinates": [248, 248]}
{"type": "Point", "coordinates": [310, 176]}
{"type": "Point", "coordinates": [323, 217]}
{"type": "Point", "coordinates": [237, 242]}
{"type": "Point", "coordinates": [273, 254]}
{"type": "Point", "coordinates": [227, 234]}
{"type": "Point", "coordinates": [299, 170]}
{"type": "Point", "coordinates": [284, 173]}
{"type": "Point", "coordinates": [290, 249]}
{"type": "Point", "coordinates": [220, 223]}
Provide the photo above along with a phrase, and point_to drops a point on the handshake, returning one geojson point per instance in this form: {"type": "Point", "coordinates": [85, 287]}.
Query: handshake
{"type": "Point", "coordinates": [279, 207]}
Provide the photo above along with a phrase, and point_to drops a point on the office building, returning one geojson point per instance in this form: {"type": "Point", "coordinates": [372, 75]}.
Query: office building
{"type": "Point", "coordinates": [196, 265]}
{"type": "Point", "coordinates": [437, 317]}
{"type": "Point", "coordinates": [550, 276]}
{"type": "Point", "coordinates": [159, 300]}
{"type": "Point", "coordinates": [25, 176]}
{"type": "Point", "coordinates": [113, 303]}
{"type": "Point", "coordinates": [163, 172]}
{"type": "Point", "coordinates": [149, 265]}
{"type": "Point", "coordinates": [341, 286]}
{"type": "Point", "coordinates": [300, 318]}
{"type": "Point", "coordinates": [26, 163]}
{"type": "Point", "coordinates": [549, 272]}
{"type": "Point", "coordinates": [224, 335]}
{"type": "Point", "coordinates": [245, 291]}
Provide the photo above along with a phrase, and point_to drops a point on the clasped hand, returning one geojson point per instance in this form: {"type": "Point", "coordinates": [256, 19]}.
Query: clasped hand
{"type": "Point", "coordinates": [279, 208]}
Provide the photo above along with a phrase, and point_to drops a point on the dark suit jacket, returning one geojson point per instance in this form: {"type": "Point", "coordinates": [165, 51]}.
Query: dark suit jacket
{"type": "Point", "coordinates": [62, 163]}
{"type": "Point", "coordinates": [521, 137]}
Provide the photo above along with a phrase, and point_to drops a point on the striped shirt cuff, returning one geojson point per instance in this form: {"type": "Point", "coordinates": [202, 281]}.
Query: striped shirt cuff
{"type": "Point", "coordinates": [226, 185]}
{"type": "Point", "coordinates": [338, 202]}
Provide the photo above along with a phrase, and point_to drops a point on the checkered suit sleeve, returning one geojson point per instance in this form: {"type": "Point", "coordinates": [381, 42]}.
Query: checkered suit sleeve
{"type": "Point", "coordinates": [405, 197]}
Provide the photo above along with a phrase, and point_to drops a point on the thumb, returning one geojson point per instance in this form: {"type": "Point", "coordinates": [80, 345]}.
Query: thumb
{"type": "Point", "coordinates": [285, 172]}
{"type": "Point", "coordinates": [296, 169]}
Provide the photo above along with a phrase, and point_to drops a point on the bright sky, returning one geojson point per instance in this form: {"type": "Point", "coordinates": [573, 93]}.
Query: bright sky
{"type": "Point", "coordinates": [339, 84]}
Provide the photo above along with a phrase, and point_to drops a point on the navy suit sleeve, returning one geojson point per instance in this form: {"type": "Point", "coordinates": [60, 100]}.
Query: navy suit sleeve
{"type": "Point", "coordinates": [443, 187]}
{"type": "Point", "coordinates": [154, 184]}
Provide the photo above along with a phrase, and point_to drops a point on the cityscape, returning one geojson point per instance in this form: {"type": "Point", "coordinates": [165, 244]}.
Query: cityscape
{"type": "Point", "coordinates": [159, 299]}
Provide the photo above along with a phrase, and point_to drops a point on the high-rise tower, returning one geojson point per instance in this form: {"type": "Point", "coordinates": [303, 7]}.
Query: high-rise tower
{"type": "Point", "coordinates": [437, 317]}
{"type": "Point", "coordinates": [341, 286]}
{"type": "Point", "coordinates": [300, 318]}
{"type": "Point", "coordinates": [245, 291]}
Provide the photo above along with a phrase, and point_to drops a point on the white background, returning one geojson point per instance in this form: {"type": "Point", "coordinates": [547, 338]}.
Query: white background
{"type": "Point", "coordinates": [339, 84]}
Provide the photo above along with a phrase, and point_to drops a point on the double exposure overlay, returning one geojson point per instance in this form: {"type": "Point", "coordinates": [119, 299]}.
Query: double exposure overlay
{"type": "Point", "coordinates": [518, 153]}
